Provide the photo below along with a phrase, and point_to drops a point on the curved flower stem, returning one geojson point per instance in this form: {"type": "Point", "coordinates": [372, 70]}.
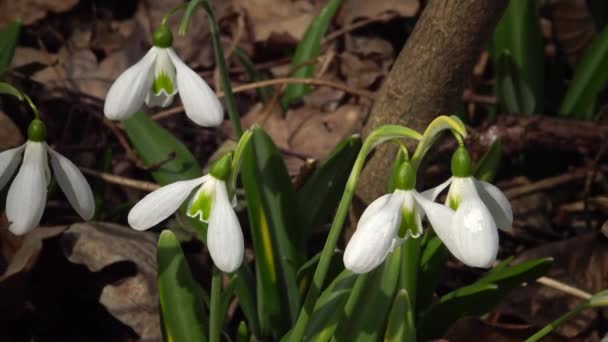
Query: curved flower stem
{"type": "Point", "coordinates": [549, 327]}
{"type": "Point", "coordinates": [32, 106]}
{"type": "Point", "coordinates": [223, 70]}
{"type": "Point", "coordinates": [215, 321]}
{"type": "Point", "coordinates": [381, 134]}
{"type": "Point", "coordinates": [172, 12]}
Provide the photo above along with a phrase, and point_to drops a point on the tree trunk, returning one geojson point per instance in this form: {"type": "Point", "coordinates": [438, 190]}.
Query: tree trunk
{"type": "Point", "coordinates": [428, 76]}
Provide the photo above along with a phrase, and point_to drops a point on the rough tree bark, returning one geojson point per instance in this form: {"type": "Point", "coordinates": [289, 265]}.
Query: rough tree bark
{"type": "Point", "coordinates": [429, 75]}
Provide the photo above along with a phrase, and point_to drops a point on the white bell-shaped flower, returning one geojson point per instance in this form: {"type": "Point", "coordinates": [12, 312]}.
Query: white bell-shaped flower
{"type": "Point", "coordinates": [155, 80]}
{"type": "Point", "coordinates": [210, 204]}
{"type": "Point", "coordinates": [384, 225]}
{"type": "Point", "coordinates": [27, 194]}
{"type": "Point", "coordinates": [474, 210]}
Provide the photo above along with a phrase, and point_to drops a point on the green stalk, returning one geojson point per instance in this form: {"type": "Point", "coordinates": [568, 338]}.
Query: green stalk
{"type": "Point", "coordinates": [215, 321]}
{"type": "Point", "coordinates": [378, 136]}
{"type": "Point", "coordinates": [409, 273]}
{"type": "Point", "coordinates": [549, 327]}
{"type": "Point", "coordinates": [223, 69]}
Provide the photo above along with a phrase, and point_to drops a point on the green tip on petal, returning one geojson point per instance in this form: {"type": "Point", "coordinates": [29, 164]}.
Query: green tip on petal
{"type": "Point", "coordinates": [461, 163]}
{"type": "Point", "coordinates": [162, 37]}
{"type": "Point", "coordinates": [200, 205]}
{"type": "Point", "coordinates": [408, 227]}
{"type": "Point", "coordinates": [36, 131]}
{"type": "Point", "coordinates": [406, 176]}
{"type": "Point", "coordinates": [222, 167]}
{"type": "Point", "coordinates": [163, 82]}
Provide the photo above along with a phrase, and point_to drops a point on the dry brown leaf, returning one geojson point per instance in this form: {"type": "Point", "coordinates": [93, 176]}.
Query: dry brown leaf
{"type": "Point", "coordinates": [581, 262]}
{"type": "Point", "coordinates": [133, 300]}
{"type": "Point", "coordinates": [574, 27]}
{"type": "Point", "coordinates": [21, 252]}
{"type": "Point", "coordinates": [359, 73]}
{"type": "Point", "coordinates": [352, 10]}
{"type": "Point", "coordinates": [474, 329]}
{"type": "Point", "coordinates": [10, 136]}
{"type": "Point", "coordinates": [29, 11]}
{"type": "Point", "coordinates": [278, 17]}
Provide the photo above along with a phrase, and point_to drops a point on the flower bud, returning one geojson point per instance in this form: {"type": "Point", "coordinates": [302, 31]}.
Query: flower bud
{"type": "Point", "coordinates": [222, 167]}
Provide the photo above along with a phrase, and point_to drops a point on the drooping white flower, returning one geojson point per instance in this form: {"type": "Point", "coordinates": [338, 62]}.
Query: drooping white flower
{"type": "Point", "coordinates": [155, 80]}
{"type": "Point", "coordinates": [378, 230]}
{"type": "Point", "coordinates": [468, 223]}
{"type": "Point", "coordinates": [27, 194]}
{"type": "Point", "coordinates": [210, 204]}
{"type": "Point", "coordinates": [385, 224]}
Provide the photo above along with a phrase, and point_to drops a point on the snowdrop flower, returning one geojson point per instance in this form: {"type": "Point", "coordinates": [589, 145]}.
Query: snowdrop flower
{"type": "Point", "coordinates": [385, 224]}
{"type": "Point", "coordinates": [26, 196]}
{"type": "Point", "coordinates": [155, 80]}
{"type": "Point", "coordinates": [475, 209]}
{"type": "Point", "coordinates": [210, 204]}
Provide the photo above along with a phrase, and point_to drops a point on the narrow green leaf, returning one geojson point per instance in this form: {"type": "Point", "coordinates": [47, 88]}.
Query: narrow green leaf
{"type": "Point", "coordinates": [183, 309]}
{"type": "Point", "coordinates": [401, 320]}
{"type": "Point", "coordinates": [462, 302]}
{"type": "Point", "coordinates": [329, 308]}
{"type": "Point", "coordinates": [263, 93]}
{"type": "Point", "coordinates": [590, 77]}
{"type": "Point", "coordinates": [366, 312]}
{"type": "Point", "coordinates": [432, 265]}
{"type": "Point", "coordinates": [488, 164]}
{"type": "Point", "coordinates": [513, 90]}
{"type": "Point", "coordinates": [478, 298]}
{"type": "Point", "coordinates": [307, 50]}
{"type": "Point", "coordinates": [278, 247]}
{"type": "Point", "coordinates": [9, 35]}
{"type": "Point", "coordinates": [155, 144]}
{"type": "Point", "coordinates": [518, 34]}
{"type": "Point", "coordinates": [319, 196]}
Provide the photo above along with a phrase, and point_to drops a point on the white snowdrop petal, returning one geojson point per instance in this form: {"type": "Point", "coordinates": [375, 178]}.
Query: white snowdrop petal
{"type": "Point", "coordinates": [497, 204]}
{"type": "Point", "coordinates": [224, 234]}
{"type": "Point", "coordinates": [475, 234]}
{"type": "Point", "coordinates": [200, 102]}
{"type": "Point", "coordinates": [440, 217]}
{"type": "Point", "coordinates": [127, 94]}
{"type": "Point", "coordinates": [161, 203]}
{"type": "Point", "coordinates": [27, 195]}
{"type": "Point", "coordinates": [9, 160]}
{"type": "Point", "coordinates": [432, 193]}
{"type": "Point", "coordinates": [376, 234]}
{"type": "Point", "coordinates": [74, 185]}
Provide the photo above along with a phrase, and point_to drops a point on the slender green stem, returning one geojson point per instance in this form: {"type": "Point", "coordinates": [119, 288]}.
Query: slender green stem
{"type": "Point", "coordinates": [172, 12]}
{"type": "Point", "coordinates": [549, 327]}
{"type": "Point", "coordinates": [32, 106]}
{"type": "Point", "coordinates": [409, 273]}
{"type": "Point", "coordinates": [215, 321]}
{"type": "Point", "coordinates": [378, 136]}
{"type": "Point", "coordinates": [223, 69]}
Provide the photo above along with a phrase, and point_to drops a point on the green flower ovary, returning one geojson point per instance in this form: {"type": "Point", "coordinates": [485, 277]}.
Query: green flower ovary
{"type": "Point", "coordinates": [163, 82]}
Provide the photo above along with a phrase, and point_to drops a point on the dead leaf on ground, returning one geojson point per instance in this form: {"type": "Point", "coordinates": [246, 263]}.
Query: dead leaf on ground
{"type": "Point", "coordinates": [352, 10]}
{"type": "Point", "coordinates": [29, 11]}
{"type": "Point", "coordinates": [21, 252]}
{"type": "Point", "coordinates": [10, 136]}
{"type": "Point", "coordinates": [574, 27]}
{"type": "Point", "coordinates": [474, 329]}
{"type": "Point", "coordinates": [278, 17]}
{"type": "Point", "coordinates": [581, 262]}
{"type": "Point", "coordinates": [306, 132]}
{"type": "Point", "coordinates": [132, 300]}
